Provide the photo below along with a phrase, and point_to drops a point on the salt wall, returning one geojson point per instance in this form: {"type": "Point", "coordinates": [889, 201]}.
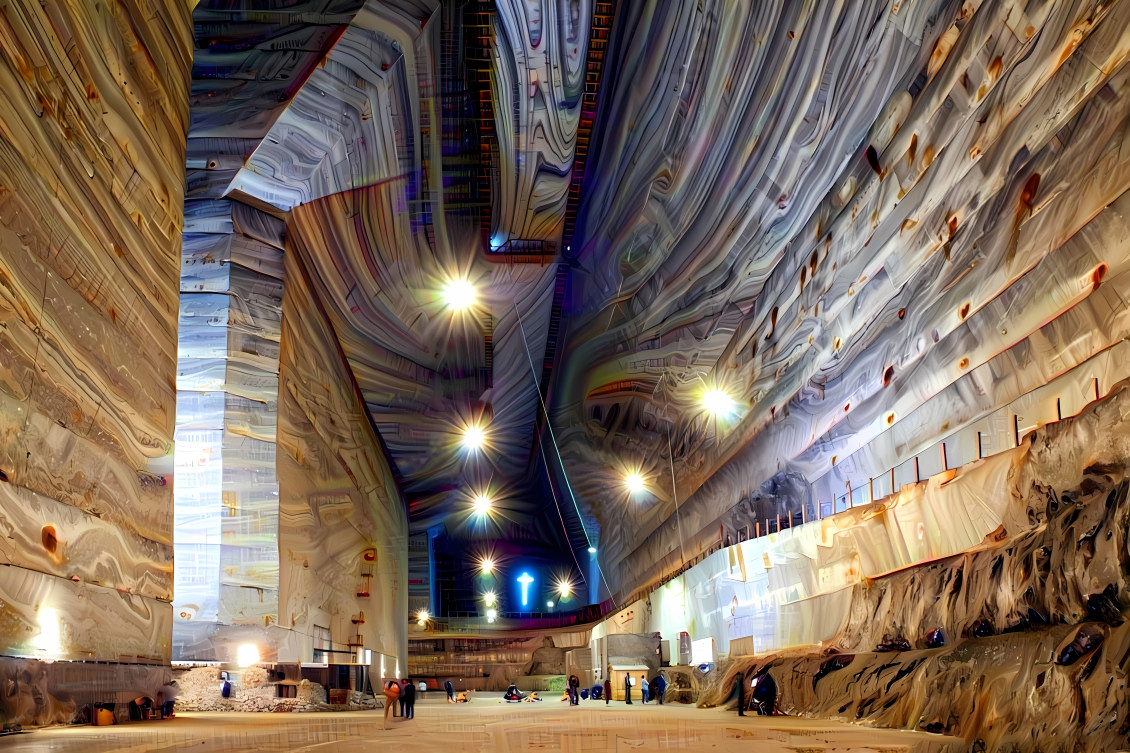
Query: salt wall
{"type": "Point", "coordinates": [92, 145]}
{"type": "Point", "coordinates": [987, 602]}
{"type": "Point", "coordinates": [880, 225]}
{"type": "Point", "coordinates": [289, 518]}
{"type": "Point", "coordinates": [343, 545]}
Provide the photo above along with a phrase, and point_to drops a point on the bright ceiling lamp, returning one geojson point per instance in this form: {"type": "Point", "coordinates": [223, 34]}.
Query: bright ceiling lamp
{"type": "Point", "coordinates": [718, 403]}
{"type": "Point", "coordinates": [482, 504]}
{"type": "Point", "coordinates": [422, 616]}
{"type": "Point", "coordinates": [564, 589]}
{"type": "Point", "coordinates": [492, 615]}
{"type": "Point", "coordinates": [634, 482]}
{"type": "Point", "coordinates": [486, 566]}
{"type": "Point", "coordinates": [247, 655]}
{"type": "Point", "coordinates": [459, 294]}
{"type": "Point", "coordinates": [473, 437]}
{"type": "Point", "coordinates": [489, 598]}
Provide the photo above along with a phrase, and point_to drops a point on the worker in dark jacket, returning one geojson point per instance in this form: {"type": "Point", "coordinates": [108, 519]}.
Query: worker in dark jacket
{"type": "Point", "coordinates": [408, 700]}
{"type": "Point", "coordinates": [627, 688]}
{"type": "Point", "coordinates": [764, 693]}
{"type": "Point", "coordinates": [574, 691]}
{"type": "Point", "coordinates": [660, 687]}
{"type": "Point", "coordinates": [607, 690]}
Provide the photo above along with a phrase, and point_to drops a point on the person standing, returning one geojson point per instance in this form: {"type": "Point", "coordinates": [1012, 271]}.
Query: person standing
{"type": "Point", "coordinates": [628, 687]}
{"type": "Point", "coordinates": [607, 690]}
{"type": "Point", "coordinates": [643, 687]}
{"type": "Point", "coordinates": [574, 685]}
{"type": "Point", "coordinates": [408, 700]}
{"type": "Point", "coordinates": [392, 695]}
{"type": "Point", "coordinates": [660, 687]}
{"type": "Point", "coordinates": [741, 694]}
{"type": "Point", "coordinates": [450, 691]}
{"type": "Point", "coordinates": [764, 693]}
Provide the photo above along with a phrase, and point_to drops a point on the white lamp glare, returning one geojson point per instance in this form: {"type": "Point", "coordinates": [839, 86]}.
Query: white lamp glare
{"type": "Point", "coordinates": [489, 598]}
{"type": "Point", "coordinates": [492, 615]}
{"type": "Point", "coordinates": [486, 566]}
{"type": "Point", "coordinates": [482, 504]}
{"type": "Point", "coordinates": [473, 437]}
{"type": "Point", "coordinates": [459, 294]}
{"type": "Point", "coordinates": [717, 402]}
{"type": "Point", "coordinates": [247, 655]}
{"type": "Point", "coordinates": [422, 616]}
{"type": "Point", "coordinates": [634, 482]}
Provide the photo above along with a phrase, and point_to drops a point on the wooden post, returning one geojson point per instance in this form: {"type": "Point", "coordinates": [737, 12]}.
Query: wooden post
{"type": "Point", "coordinates": [917, 475]}
{"type": "Point", "coordinates": [945, 463]}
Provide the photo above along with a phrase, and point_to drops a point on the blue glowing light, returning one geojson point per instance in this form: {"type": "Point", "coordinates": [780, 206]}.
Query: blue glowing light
{"type": "Point", "coordinates": [525, 580]}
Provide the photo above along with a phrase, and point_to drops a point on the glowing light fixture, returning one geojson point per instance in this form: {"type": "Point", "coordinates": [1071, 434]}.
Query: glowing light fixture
{"type": "Point", "coordinates": [49, 642]}
{"type": "Point", "coordinates": [549, 604]}
{"type": "Point", "coordinates": [482, 504]}
{"type": "Point", "coordinates": [525, 580]}
{"type": "Point", "coordinates": [473, 437]}
{"type": "Point", "coordinates": [564, 588]}
{"type": "Point", "coordinates": [492, 615]}
{"type": "Point", "coordinates": [718, 403]}
{"type": "Point", "coordinates": [487, 566]}
{"type": "Point", "coordinates": [634, 481]}
{"type": "Point", "coordinates": [459, 294]}
{"type": "Point", "coordinates": [247, 655]}
{"type": "Point", "coordinates": [422, 616]}
{"type": "Point", "coordinates": [489, 598]}
{"type": "Point", "coordinates": [592, 550]}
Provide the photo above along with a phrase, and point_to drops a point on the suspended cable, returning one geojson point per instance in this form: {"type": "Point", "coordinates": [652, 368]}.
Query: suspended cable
{"type": "Point", "coordinates": [560, 462]}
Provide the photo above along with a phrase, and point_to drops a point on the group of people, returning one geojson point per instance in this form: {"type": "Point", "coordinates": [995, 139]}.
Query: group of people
{"type": "Point", "coordinates": [655, 689]}
{"type": "Point", "coordinates": [400, 699]}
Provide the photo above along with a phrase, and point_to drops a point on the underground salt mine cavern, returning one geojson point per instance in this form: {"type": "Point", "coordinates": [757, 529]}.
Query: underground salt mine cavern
{"type": "Point", "coordinates": [575, 374]}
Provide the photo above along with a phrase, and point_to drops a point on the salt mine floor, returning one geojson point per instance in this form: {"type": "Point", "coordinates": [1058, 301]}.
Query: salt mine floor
{"type": "Point", "coordinates": [485, 724]}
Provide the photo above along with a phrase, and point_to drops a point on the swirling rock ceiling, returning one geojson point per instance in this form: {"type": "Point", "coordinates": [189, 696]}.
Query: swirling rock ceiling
{"type": "Point", "coordinates": [859, 219]}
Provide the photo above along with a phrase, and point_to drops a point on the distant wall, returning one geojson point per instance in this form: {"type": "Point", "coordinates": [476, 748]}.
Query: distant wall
{"type": "Point", "coordinates": [92, 144]}
{"type": "Point", "coordinates": [343, 543]}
